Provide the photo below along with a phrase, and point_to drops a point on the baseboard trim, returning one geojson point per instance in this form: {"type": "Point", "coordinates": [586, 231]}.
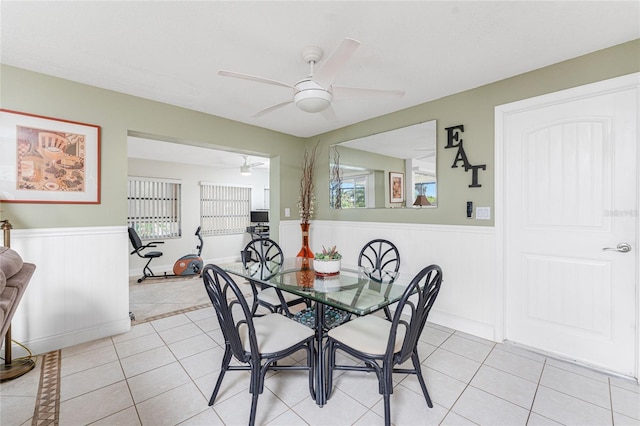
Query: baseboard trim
{"type": "Point", "coordinates": [52, 343]}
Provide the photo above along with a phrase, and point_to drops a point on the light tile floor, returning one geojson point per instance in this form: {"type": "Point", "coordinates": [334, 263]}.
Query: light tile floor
{"type": "Point", "coordinates": [163, 371]}
{"type": "Point", "coordinates": [157, 296]}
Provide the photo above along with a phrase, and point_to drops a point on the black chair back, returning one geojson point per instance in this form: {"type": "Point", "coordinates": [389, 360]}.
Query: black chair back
{"type": "Point", "coordinates": [136, 242]}
{"type": "Point", "coordinates": [263, 258]}
{"type": "Point", "coordinates": [425, 285]}
{"type": "Point", "coordinates": [262, 250]}
{"type": "Point", "coordinates": [380, 254]}
{"type": "Point", "coordinates": [232, 310]}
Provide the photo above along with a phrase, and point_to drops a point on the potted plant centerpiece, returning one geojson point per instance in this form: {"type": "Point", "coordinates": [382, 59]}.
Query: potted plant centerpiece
{"type": "Point", "coordinates": [327, 263]}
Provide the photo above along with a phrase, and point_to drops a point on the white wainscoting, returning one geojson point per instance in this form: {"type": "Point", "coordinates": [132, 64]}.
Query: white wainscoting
{"type": "Point", "coordinates": [466, 255]}
{"type": "Point", "coordinates": [80, 289]}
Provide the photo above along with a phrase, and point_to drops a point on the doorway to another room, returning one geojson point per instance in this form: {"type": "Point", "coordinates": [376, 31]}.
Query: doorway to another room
{"type": "Point", "coordinates": [201, 177]}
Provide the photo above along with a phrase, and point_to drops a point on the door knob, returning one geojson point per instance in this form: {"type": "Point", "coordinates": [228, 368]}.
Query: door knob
{"type": "Point", "coordinates": [622, 248]}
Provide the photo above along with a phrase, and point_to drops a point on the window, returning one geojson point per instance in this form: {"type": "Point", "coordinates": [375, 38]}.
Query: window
{"type": "Point", "coordinates": [353, 191]}
{"type": "Point", "coordinates": [224, 209]}
{"type": "Point", "coordinates": [154, 207]}
{"type": "Point", "coordinates": [429, 189]}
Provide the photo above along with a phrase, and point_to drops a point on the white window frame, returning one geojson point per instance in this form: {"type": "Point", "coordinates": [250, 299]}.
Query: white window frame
{"type": "Point", "coordinates": [367, 187]}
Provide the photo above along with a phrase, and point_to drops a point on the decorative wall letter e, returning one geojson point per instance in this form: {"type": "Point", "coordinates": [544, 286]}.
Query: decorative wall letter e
{"type": "Point", "coordinates": [454, 141]}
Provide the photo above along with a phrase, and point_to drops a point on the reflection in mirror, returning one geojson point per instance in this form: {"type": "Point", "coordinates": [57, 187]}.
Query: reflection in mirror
{"type": "Point", "coordinates": [359, 169]}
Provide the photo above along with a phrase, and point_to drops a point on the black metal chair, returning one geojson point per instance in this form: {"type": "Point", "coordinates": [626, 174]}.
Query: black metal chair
{"type": "Point", "coordinates": [139, 249]}
{"type": "Point", "coordinates": [258, 343]}
{"type": "Point", "coordinates": [380, 255]}
{"type": "Point", "coordinates": [376, 257]}
{"type": "Point", "coordinates": [268, 253]}
{"type": "Point", "coordinates": [381, 344]}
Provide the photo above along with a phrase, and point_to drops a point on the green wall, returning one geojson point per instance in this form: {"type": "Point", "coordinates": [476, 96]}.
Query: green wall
{"type": "Point", "coordinates": [475, 110]}
{"type": "Point", "coordinates": [120, 114]}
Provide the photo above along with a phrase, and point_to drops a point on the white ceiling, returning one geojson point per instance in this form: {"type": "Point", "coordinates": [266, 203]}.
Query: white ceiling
{"type": "Point", "coordinates": [149, 149]}
{"type": "Point", "coordinates": [171, 51]}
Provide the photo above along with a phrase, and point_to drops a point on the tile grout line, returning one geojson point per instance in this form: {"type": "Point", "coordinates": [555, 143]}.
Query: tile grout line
{"type": "Point", "coordinates": [468, 382]}
{"type": "Point", "coordinates": [611, 401]}
{"type": "Point", "coordinates": [47, 407]}
{"type": "Point", "coordinates": [535, 394]}
{"type": "Point", "coordinates": [126, 381]}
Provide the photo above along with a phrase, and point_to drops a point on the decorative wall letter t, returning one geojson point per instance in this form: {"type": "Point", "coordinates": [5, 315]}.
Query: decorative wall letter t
{"type": "Point", "coordinates": [454, 141]}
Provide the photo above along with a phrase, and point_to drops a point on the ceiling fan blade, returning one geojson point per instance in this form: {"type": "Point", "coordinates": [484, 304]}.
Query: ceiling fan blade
{"type": "Point", "coordinates": [329, 113]}
{"type": "Point", "coordinates": [353, 92]}
{"type": "Point", "coordinates": [272, 108]}
{"type": "Point", "coordinates": [334, 64]}
{"type": "Point", "coordinates": [225, 73]}
{"type": "Point", "coordinates": [255, 164]}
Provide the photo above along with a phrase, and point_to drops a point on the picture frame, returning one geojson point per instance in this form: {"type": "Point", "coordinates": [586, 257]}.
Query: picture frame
{"type": "Point", "coordinates": [48, 160]}
{"type": "Point", "coordinates": [396, 187]}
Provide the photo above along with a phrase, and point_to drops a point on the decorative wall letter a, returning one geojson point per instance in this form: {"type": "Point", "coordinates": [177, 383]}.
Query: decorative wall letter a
{"type": "Point", "coordinates": [454, 141]}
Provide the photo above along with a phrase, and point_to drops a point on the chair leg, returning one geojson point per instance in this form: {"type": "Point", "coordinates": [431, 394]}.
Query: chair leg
{"type": "Point", "coordinates": [331, 366]}
{"type": "Point", "coordinates": [423, 385]}
{"type": "Point", "coordinates": [381, 374]}
{"type": "Point", "coordinates": [311, 356]}
{"type": "Point", "coordinates": [387, 313]}
{"type": "Point", "coordinates": [226, 360]}
{"type": "Point", "coordinates": [254, 407]}
{"type": "Point", "coordinates": [385, 379]}
{"type": "Point", "coordinates": [387, 409]}
{"type": "Point", "coordinates": [255, 389]}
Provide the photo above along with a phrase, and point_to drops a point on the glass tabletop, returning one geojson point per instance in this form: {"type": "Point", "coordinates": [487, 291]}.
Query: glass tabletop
{"type": "Point", "coordinates": [359, 292]}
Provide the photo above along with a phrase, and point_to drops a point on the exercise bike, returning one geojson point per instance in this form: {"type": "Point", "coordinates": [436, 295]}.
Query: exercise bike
{"type": "Point", "coordinates": [190, 264]}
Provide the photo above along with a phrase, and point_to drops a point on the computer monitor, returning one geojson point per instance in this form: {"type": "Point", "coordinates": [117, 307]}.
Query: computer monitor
{"type": "Point", "coordinates": [260, 216]}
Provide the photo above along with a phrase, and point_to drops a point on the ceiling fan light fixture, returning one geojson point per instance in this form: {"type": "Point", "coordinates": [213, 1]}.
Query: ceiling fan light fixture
{"type": "Point", "coordinates": [311, 97]}
{"type": "Point", "coordinates": [245, 170]}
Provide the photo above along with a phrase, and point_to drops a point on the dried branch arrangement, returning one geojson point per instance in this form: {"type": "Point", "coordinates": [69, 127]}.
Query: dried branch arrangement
{"type": "Point", "coordinates": [335, 193]}
{"type": "Point", "coordinates": [307, 198]}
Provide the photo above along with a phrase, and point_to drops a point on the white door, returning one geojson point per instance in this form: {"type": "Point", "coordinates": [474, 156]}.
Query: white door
{"type": "Point", "coordinates": [570, 199]}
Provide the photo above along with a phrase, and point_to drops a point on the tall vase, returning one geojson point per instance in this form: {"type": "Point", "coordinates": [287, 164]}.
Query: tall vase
{"type": "Point", "coordinates": [305, 251]}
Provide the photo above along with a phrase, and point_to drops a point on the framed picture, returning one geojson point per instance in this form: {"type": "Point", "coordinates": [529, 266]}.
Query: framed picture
{"type": "Point", "coordinates": [396, 187]}
{"type": "Point", "coordinates": [48, 160]}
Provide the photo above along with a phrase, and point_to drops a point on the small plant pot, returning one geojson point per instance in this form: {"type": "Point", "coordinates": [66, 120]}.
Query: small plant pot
{"type": "Point", "coordinates": [325, 268]}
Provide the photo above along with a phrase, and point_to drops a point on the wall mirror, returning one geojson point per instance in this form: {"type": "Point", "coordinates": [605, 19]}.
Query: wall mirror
{"type": "Point", "coordinates": [392, 169]}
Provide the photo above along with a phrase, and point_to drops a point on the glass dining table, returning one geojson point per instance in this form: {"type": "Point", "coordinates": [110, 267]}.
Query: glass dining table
{"type": "Point", "coordinates": [357, 292]}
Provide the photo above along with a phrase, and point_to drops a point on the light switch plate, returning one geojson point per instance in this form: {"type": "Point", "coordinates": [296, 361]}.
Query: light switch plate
{"type": "Point", "coordinates": [483, 213]}
{"type": "Point", "coordinates": [287, 212]}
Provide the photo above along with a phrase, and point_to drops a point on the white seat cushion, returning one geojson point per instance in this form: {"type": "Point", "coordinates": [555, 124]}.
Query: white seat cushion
{"type": "Point", "coordinates": [274, 332]}
{"type": "Point", "coordinates": [368, 334]}
{"type": "Point", "coordinates": [270, 296]}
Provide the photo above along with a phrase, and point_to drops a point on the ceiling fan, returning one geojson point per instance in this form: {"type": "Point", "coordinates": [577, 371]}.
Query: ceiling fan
{"type": "Point", "coordinates": [315, 92]}
{"type": "Point", "coordinates": [245, 169]}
